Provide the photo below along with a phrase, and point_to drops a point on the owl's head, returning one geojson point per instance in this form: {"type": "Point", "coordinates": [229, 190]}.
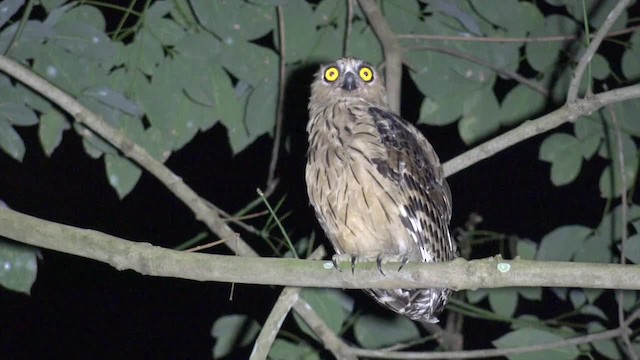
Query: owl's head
{"type": "Point", "coordinates": [349, 78]}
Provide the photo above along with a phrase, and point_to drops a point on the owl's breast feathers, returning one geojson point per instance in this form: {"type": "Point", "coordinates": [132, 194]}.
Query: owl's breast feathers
{"type": "Point", "coordinates": [376, 184]}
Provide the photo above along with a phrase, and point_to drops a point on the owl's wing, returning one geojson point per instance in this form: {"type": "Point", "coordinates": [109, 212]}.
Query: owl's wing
{"type": "Point", "coordinates": [413, 166]}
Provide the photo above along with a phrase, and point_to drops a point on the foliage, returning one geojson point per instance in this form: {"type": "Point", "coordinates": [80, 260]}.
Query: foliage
{"type": "Point", "coordinates": [180, 67]}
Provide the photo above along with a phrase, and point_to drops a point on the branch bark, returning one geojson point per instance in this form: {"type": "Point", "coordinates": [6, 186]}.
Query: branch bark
{"type": "Point", "coordinates": [586, 57]}
{"type": "Point", "coordinates": [459, 274]}
{"type": "Point", "coordinates": [392, 51]}
{"type": "Point", "coordinates": [568, 112]}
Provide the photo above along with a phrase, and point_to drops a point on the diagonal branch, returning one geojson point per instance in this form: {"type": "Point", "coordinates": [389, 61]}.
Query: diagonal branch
{"type": "Point", "coordinates": [574, 86]}
{"type": "Point", "coordinates": [392, 51]}
{"type": "Point", "coordinates": [198, 205]}
{"type": "Point", "coordinates": [568, 112]}
{"type": "Point", "coordinates": [288, 297]}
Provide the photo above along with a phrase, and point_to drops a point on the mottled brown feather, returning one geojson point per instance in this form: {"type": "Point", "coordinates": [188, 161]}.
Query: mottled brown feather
{"type": "Point", "coordinates": [376, 184]}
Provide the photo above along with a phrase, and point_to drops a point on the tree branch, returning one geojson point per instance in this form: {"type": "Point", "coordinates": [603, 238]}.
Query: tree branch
{"type": "Point", "coordinates": [489, 353]}
{"type": "Point", "coordinates": [459, 274]}
{"type": "Point", "coordinates": [281, 308]}
{"type": "Point", "coordinates": [568, 112]}
{"type": "Point", "coordinates": [277, 135]}
{"type": "Point", "coordinates": [492, 39]}
{"type": "Point", "coordinates": [392, 51]}
{"type": "Point", "coordinates": [574, 86]}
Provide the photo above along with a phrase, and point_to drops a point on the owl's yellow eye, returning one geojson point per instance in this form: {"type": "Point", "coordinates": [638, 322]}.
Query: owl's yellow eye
{"type": "Point", "coordinates": [366, 74]}
{"type": "Point", "coordinates": [331, 74]}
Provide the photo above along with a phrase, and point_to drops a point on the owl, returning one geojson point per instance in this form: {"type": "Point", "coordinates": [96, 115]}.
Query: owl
{"type": "Point", "coordinates": [375, 183]}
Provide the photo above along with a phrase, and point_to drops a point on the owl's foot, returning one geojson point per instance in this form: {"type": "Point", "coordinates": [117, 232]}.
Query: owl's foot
{"type": "Point", "coordinates": [380, 258]}
{"type": "Point", "coordinates": [385, 258]}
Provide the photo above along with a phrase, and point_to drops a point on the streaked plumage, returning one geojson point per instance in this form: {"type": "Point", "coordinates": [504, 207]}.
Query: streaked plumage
{"type": "Point", "coordinates": [375, 182]}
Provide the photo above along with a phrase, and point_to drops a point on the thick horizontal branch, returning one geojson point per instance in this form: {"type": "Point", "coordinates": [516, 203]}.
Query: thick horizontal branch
{"type": "Point", "coordinates": [459, 274]}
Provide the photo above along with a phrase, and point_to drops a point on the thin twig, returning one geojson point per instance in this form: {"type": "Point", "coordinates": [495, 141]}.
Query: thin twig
{"type": "Point", "coordinates": [277, 136]}
{"type": "Point", "coordinates": [507, 73]}
{"type": "Point", "coordinates": [392, 51]}
{"type": "Point", "coordinates": [567, 113]}
{"type": "Point", "coordinates": [20, 29]}
{"type": "Point", "coordinates": [210, 245]}
{"type": "Point", "coordinates": [489, 353]}
{"type": "Point", "coordinates": [623, 197]}
{"type": "Point", "coordinates": [586, 57]}
{"type": "Point", "coordinates": [510, 39]}
{"type": "Point", "coordinates": [347, 32]}
{"type": "Point", "coordinates": [338, 347]}
{"type": "Point", "coordinates": [278, 313]}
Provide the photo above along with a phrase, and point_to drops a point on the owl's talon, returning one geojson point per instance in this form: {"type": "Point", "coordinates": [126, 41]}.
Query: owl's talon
{"type": "Point", "coordinates": [354, 258]}
{"type": "Point", "coordinates": [379, 263]}
{"type": "Point", "coordinates": [403, 262]}
{"type": "Point", "coordinates": [336, 264]}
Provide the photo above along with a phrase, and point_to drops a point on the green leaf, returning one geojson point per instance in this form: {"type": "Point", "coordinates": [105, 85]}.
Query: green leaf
{"type": "Point", "coordinates": [578, 298]}
{"type": "Point", "coordinates": [520, 104]}
{"type": "Point", "coordinates": [531, 336]}
{"type": "Point", "coordinates": [18, 266]}
{"type": "Point", "coordinates": [632, 248]}
{"type": "Point", "coordinates": [83, 39]}
{"type": "Point", "coordinates": [167, 31]}
{"type": "Point", "coordinates": [542, 54]}
{"type": "Point", "coordinates": [250, 62]}
{"type": "Point", "coordinates": [52, 125]}
{"type": "Point", "coordinates": [562, 243]}
{"type": "Point", "coordinates": [593, 294]}
{"type": "Point", "coordinates": [631, 62]}
{"type": "Point", "coordinates": [475, 296]}
{"type": "Point", "coordinates": [597, 12]}
{"type": "Point", "coordinates": [262, 107]}
{"type": "Point", "coordinates": [145, 52]}
{"type": "Point", "coordinates": [526, 249]}
{"type": "Point", "coordinates": [113, 99]}
{"type": "Point", "coordinates": [121, 173]}
{"type": "Point", "coordinates": [614, 218]}
{"type": "Point", "coordinates": [606, 347]}
{"type": "Point", "coordinates": [600, 67]}
{"type": "Point", "coordinates": [503, 301]}
{"type": "Point", "coordinates": [286, 350]}
{"type": "Point", "coordinates": [596, 248]}
{"type": "Point", "coordinates": [563, 152]}
{"type": "Point", "coordinates": [402, 15]}
{"type": "Point", "coordinates": [229, 109]}
{"type": "Point", "coordinates": [331, 305]}
{"type": "Point", "coordinates": [232, 331]}
{"type": "Point", "coordinates": [299, 32]}
{"type": "Point", "coordinates": [10, 142]}
{"type": "Point", "coordinates": [363, 43]}
{"type": "Point", "coordinates": [594, 311]}
{"type": "Point", "coordinates": [530, 293]}
{"type": "Point", "coordinates": [611, 177]}
{"type": "Point", "coordinates": [17, 114]}
{"type": "Point", "coordinates": [480, 116]}
{"type": "Point", "coordinates": [446, 110]}
{"type": "Point", "coordinates": [374, 332]}
{"type": "Point", "coordinates": [235, 21]}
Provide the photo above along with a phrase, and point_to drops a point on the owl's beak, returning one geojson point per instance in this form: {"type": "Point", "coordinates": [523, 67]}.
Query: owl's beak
{"type": "Point", "coordinates": [349, 82]}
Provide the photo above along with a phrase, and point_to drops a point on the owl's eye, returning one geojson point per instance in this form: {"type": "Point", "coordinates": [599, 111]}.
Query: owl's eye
{"type": "Point", "coordinates": [366, 74]}
{"type": "Point", "coordinates": [331, 74]}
